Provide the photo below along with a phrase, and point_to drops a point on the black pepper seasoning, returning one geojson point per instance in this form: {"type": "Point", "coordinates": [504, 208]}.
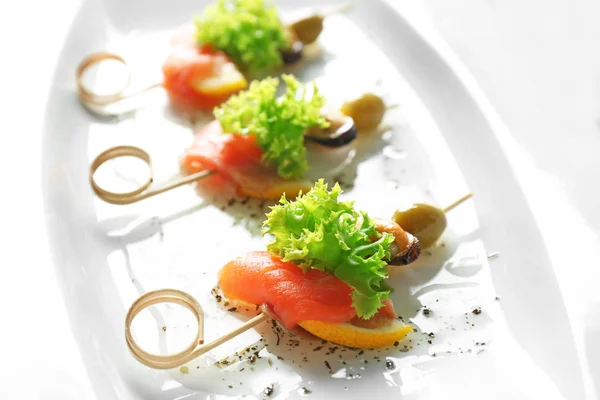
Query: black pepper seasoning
{"type": "Point", "coordinates": [268, 391]}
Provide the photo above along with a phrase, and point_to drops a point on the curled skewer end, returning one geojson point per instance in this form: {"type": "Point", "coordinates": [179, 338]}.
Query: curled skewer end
{"type": "Point", "coordinates": [157, 297]}
{"type": "Point", "coordinates": [87, 96]}
{"type": "Point", "coordinates": [196, 348]}
{"type": "Point", "coordinates": [98, 103]}
{"type": "Point", "coordinates": [110, 154]}
{"type": "Point", "coordinates": [143, 191]}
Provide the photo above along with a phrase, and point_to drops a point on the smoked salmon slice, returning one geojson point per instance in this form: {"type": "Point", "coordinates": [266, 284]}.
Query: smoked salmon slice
{"type": "Point", "coordinates": [295, 296]}
{"type": "Point", "coordinates": [237, 158]}
{"type": "Point", "coordinates": [199, 77]}
{"type": "Point", "coordinates": [260, 278]}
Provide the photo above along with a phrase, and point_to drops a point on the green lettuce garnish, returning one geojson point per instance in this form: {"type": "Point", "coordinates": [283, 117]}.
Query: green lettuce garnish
{"type": "Point", "coordinates": [248, 31]}
{"type": "Point", "coordinates": [277, 123]}
{"type": "Point", "coordinates": [318, 231]}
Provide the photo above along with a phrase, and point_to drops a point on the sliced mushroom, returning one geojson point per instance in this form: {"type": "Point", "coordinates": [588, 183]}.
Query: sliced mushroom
{"type": "Point", "coordinates": [340, 132]}
{"type": "Point", "coordinates": [293, 54]}
{"type": "Point", "coordinates": [405, 248]}
{"type": "Point", "coordinates": [410, 253]}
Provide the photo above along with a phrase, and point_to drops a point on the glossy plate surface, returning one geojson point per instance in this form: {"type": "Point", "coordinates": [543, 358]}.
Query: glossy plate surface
{"type": "Point", "coordinates": [435, 147]}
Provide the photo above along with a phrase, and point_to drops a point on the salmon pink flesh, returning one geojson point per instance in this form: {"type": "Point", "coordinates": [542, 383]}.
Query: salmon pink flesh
{"type": "Point", "coordinates": [237, 158]}
{"type": "Point", "coordinates": [295, 296]}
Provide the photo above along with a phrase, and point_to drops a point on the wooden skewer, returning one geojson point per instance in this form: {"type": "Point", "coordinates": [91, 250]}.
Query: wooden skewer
{"type": "Point", "coordinates": [196, 348]}
{"type": "Point", "coordinates": [97, 102]}
{"type": "Point", "coordinates": [143, 191]}
{"type": "Point", "coordinates": [340, 9]}
{"type": "Point", "coordinates": [457, 202]}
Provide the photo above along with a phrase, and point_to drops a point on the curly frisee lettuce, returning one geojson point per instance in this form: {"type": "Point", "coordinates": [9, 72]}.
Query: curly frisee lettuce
{"type": "Point", "coordinates": [248, 31]}
{"type": "Point", "coordinates": [277, 123]}
{"type": "Point", "coordinates": [318, 231]}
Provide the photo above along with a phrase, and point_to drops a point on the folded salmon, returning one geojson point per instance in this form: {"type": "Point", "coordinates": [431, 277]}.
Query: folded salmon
{"type": "Point", "coordinates": [295, 296]}
{"type": "Point", "coordinates": [199, 77]}
{"type": "Point", "coordinates": [237, 158]}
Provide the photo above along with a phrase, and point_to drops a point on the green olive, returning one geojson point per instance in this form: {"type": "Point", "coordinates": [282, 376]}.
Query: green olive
{"type": "Point", "coordinates": [367, 111]}
{"type": "Point", "coordinates": [308, 29]}
{"type": "Point", "coordinates": [424, 221]}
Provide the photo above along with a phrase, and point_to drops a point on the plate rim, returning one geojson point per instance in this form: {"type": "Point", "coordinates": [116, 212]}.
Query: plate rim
{"type": "Point", "coordinates": [430, 40]}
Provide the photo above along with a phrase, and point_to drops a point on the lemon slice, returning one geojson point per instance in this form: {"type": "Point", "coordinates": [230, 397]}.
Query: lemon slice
{"type": "Point", "coordinates": [354, 336]}
{"type": "Point", "coordinates": [227, 80]}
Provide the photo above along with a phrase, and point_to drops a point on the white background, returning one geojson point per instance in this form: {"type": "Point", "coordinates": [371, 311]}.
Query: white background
{"type": "Point", "coordinates": [538, 62]}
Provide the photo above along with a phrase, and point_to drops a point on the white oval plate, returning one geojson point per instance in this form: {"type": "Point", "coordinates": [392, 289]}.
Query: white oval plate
{"type": "Point", "coordinates": [435, 147]}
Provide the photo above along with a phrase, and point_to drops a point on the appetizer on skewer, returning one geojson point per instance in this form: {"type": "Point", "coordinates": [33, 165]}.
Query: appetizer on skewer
{"type": "Point", "coordinates": [258, 145]}
{"type": "Point", "coordinates": [211, 59]}
{"type": "Point", "coordinates": [325, 270]}
{"type": "Point", "coordinates": [237, 38]}
{"type": "Point", "coordinates": [258, 140]}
